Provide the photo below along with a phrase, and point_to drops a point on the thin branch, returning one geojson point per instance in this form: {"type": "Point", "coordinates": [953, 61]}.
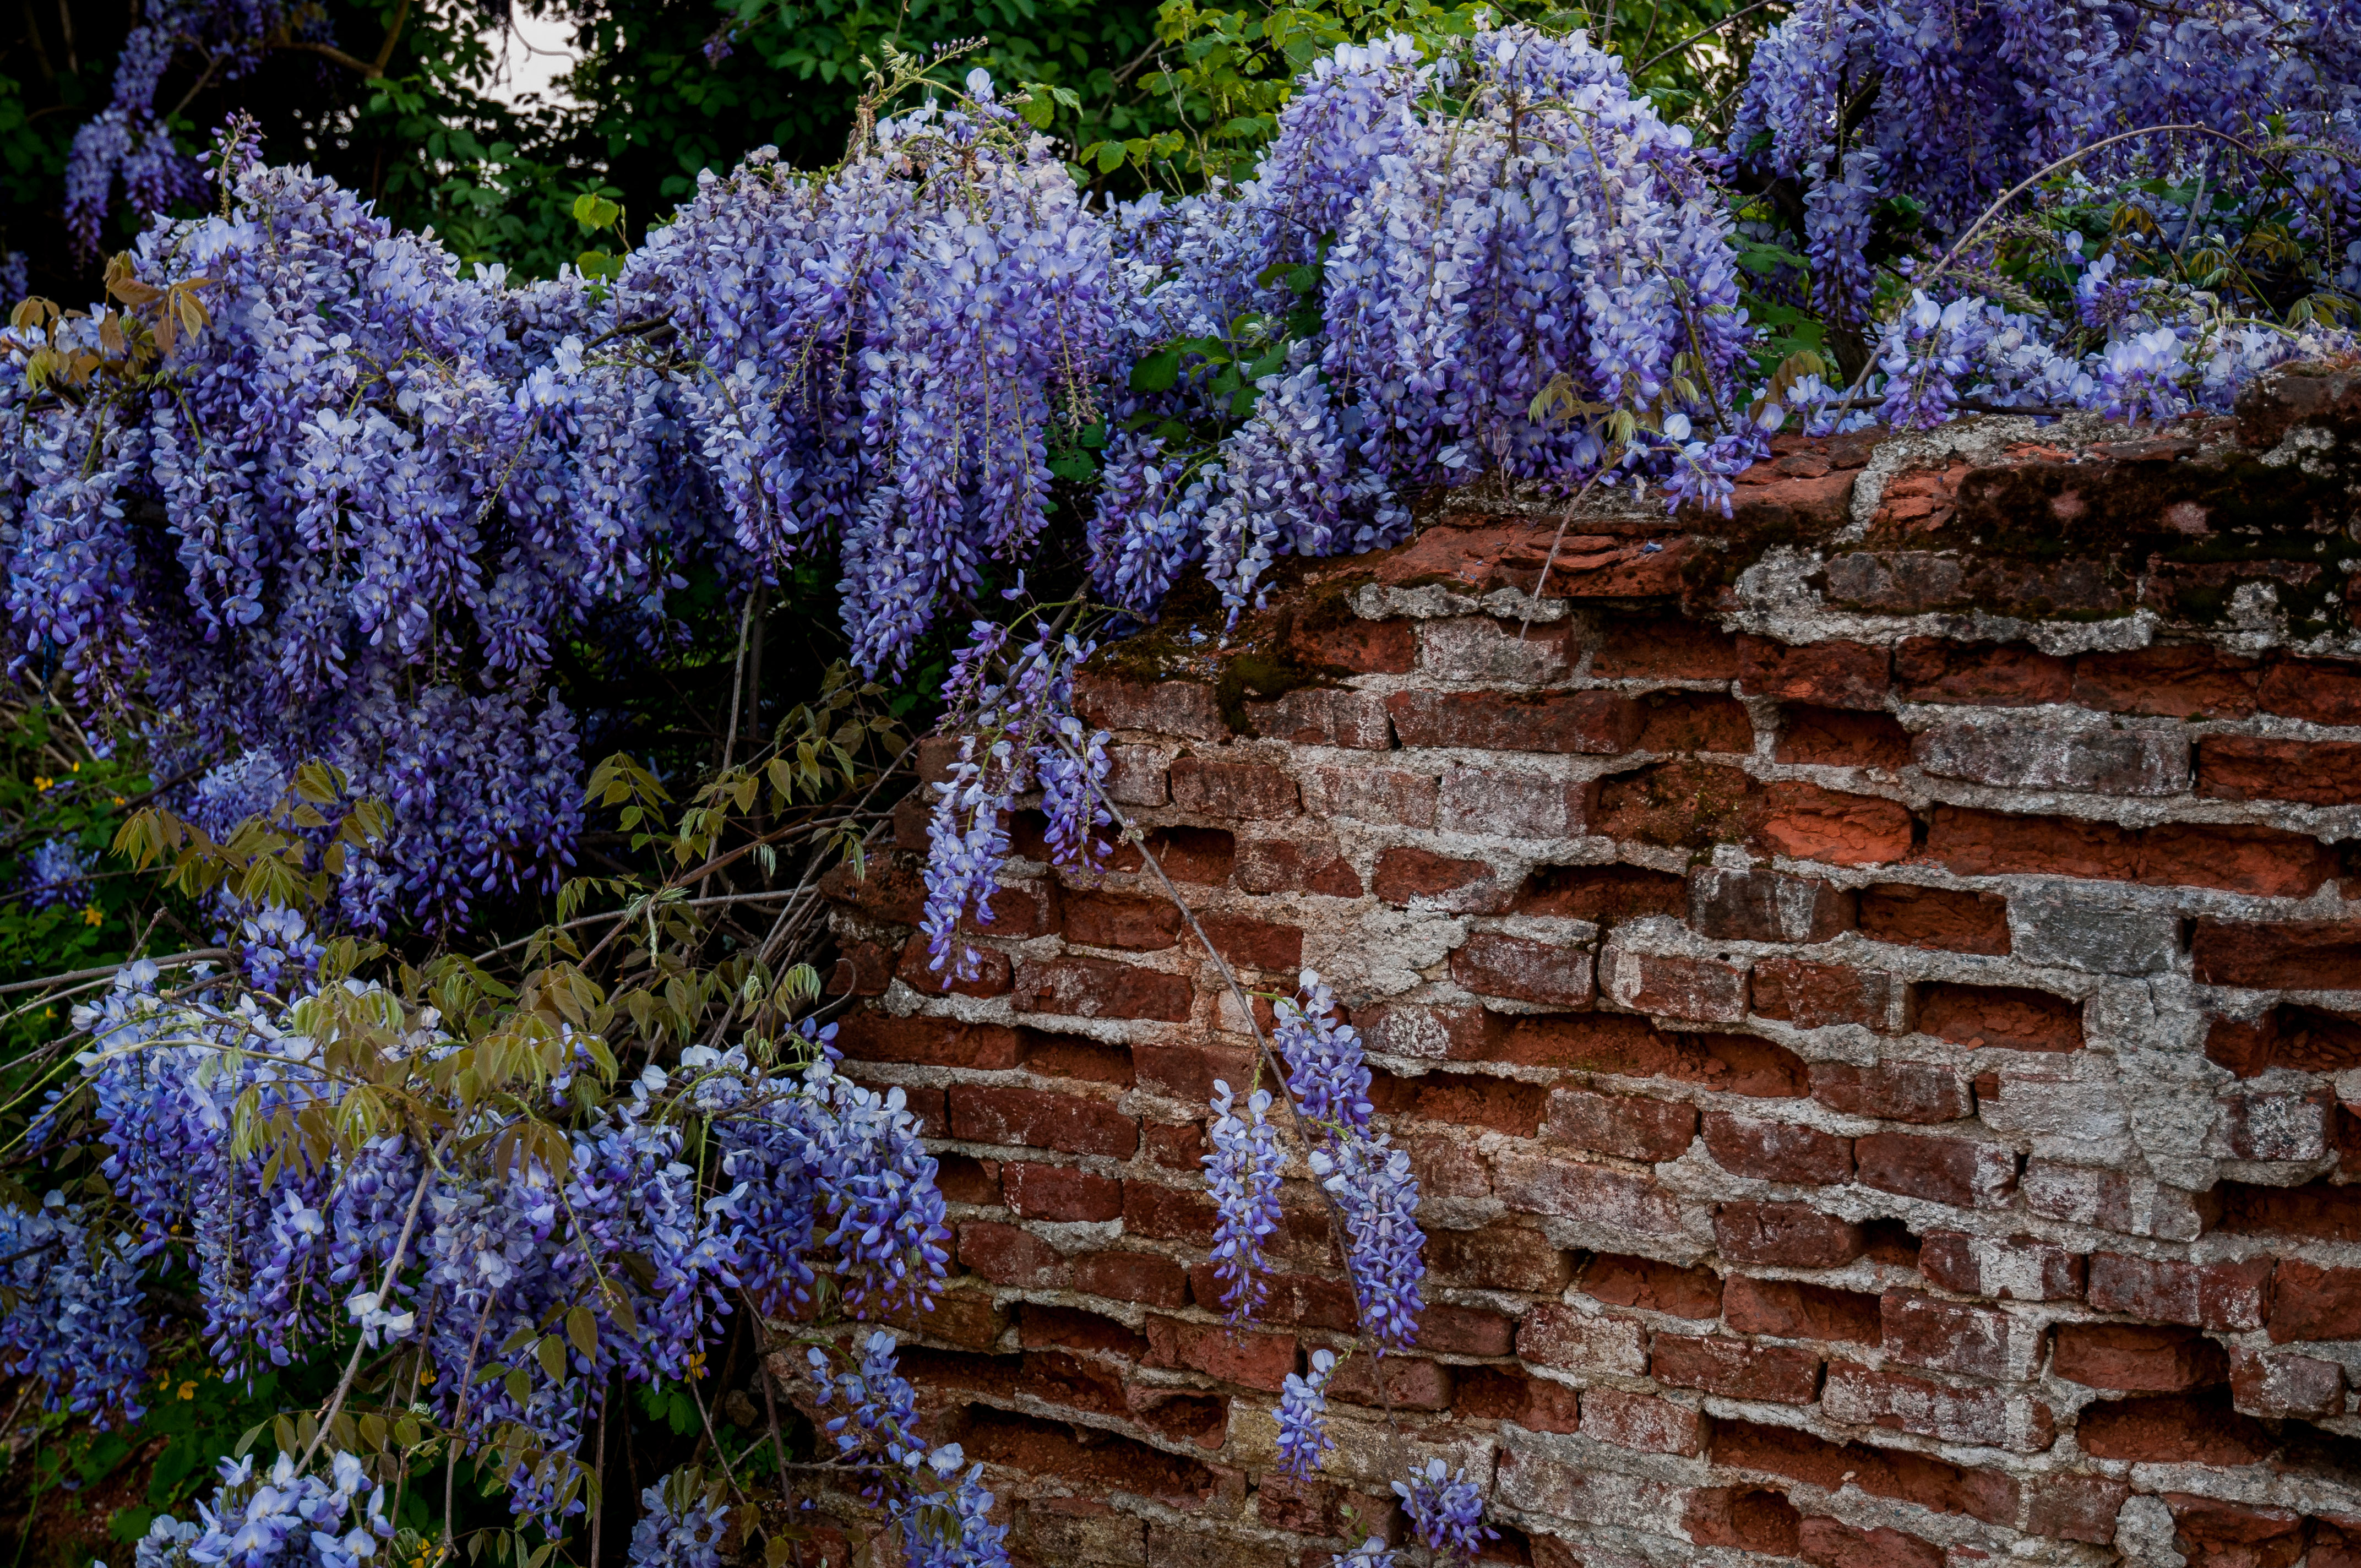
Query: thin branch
{"type": "Point", "coordinates": [393, 1268]}
{"type": "Point", "coordinates": [176, 960]}
{"type": "Point", "coordinates": [1693, 38]}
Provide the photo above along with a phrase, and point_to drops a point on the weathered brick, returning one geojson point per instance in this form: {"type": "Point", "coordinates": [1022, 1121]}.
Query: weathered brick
{"type": "Point", "coordinates": [1638, 1421]}
{"type": "Point", "coordinates": [1040, 1119]}
{"type": "Point", "coordinates": [2293, 955]}
{"type": "Point", "coordinates": [2143, 1358]}
{"type": "Point", "coordinates": [1050, 1054]}
{"type": "Point", "coordinates": [2255, 767]}
{"type": "Point", "coordinates": [1805, 822]}
{"type": "Point", "coordinates": [1437, 1032]}
{"type": "Point", "coordinates": [1358, 647]}
{"type": "Point", "coordinates": [1213, 788]}
{"type": "Point", "coordinates": [2264, 861]}
{"type": "Point", "coordinates": [2003, 1017]}
{"type": "Point", "coordinates": [1832, 674]}
{"type": "Point", "coordinates": [2017, 1268]}
{"type": "Point", "coordinates": [1101, 987]}
{"type": "Point", "coordinates": [1652, 1284]}
{"type": "Point", "coordinates": [1100, 919]}
{"type": "Point", "coordinates": [2072, 931]}
{"type": "Point", "coordinates": [1476, 649]}
{"type": "Point", "coordinates": [1767, 906]}
{"type": "Point", "coordinates": [1841, 738]}
{"type": "Point", "coordinates": [1748, 1517]}
{"type": "Point", "coordinates": [2111, 1201]}
{"type": "Point", "coordinates": [1510, 1394]}
{"type": "Point", "coordinates": [2219, 1296]}
{"type": "Point", "coordinates": [1145, 1276]}
{"type": "Point", "coordinates": [1391, 795]}
{"type": "Point", "coordinates": [1789, 1308]}
{"type": "Point", "coordinates": [864, 1036]}
{"type": "Point", "coordinates": [1604, 893]}
{"type": "Point", "coordinates": [1187, 709]}
{"type": "Point", "coordinates": [1893, 1090]}
{"type": "Point", "coordinates": [1247, 943]}
{"type": "Point", "coordinates": [2234, 1535]}
{"type": "Point", "coordinates": [1628, 1126]}
{"type": "Point", "coordinates": [1587, 721]}
{"type": "Point", "coordinates": [2315, 689]}
{"type": "Point", "coordinates": [1008, 1255]}
{"type": "Point", "coordinates": [1406, 873]}
{"type": "Point", "coordinates": [1233, 1356]}
{"type": "Point", "coordinates": [2006, 674]}
{"type": "Point", "coordinates": [1512, 803]}
{"type": "Point", "coordinates": [1492, 964]}
{"type": "Point", "coordinates": [1462, 1098]}
{"type": "Point", "coordinates": [1673, 986]}
{"type": "Point", "coordinates": [1542, 1182]}
{"type": "Point", "coordinates": [1529, 1481]}
{"type": "Point", "coordinates": [2172, 682]}
{"type": "Point", "coordinates": [1776, 1151]}
{"type": "Point", "coordinates": [1917, 1330]}
{"type": "Point", "coordinates": [1986, 1416]}
{"type": "Point", "coordinates": [1815, 996]}
{"type": "Point", "coordinates": [1324, 716]}
{"type": "Point", "coordinates": [1504, 1256]}
{"type": "Point", "coordinates": [1664, 650]}
{"type": "Point", "coordinates": [2076, 1507]}
{"type": "Point", "coordinates": [1556, 1335]}
{"type": "Point", "coordinates": [2280, 1383]}
{"type": "Point", "coordinates": [2042, 755]}
{"type": "Point", "coordinates": [1789, 1235]}
{"type": "Point", "coordinates": [1778, 1374]}
{"type": "Point", "coordinates": [1628, 1047]}
{"type": "Point", "coordinates": [2310, 1302]}
{"type": "Point", "coordinates": [1830, 1544]}
{"type": "Point", "coordinates": [1935, 917]}
{"type": "Point", "coordinates": [1061, 1192]}
{"type": "Point", "coordinates": [916, 970]}
{"type": "Point", "coordinates": [1286, 865]}
{"type": "Point", "coordinates": [1692, 722]}
{"type": "Point", "coordinates": [1958, 1171]}
{"type": "Point", "coordinates": [2198, 1427]}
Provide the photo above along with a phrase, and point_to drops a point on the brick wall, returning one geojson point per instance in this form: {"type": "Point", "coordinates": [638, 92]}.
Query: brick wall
{"type": "Point", "coordinates": [1871, 986]}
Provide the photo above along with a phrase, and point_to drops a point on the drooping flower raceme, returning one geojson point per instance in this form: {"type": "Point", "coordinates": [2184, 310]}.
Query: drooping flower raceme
{"type": "Point", "coordinates": [1242, 1176]}
{"type": "Point", "coordinates": [1302, 1411]}
{"type": "Point", "coordinates": [1446, 1511]}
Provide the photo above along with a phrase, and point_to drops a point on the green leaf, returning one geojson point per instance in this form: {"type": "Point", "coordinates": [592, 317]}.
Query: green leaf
{"type": "Point", "coordinates": [1110, 157]}
{"type": "Point", "coordinates": [551, 1353]}
{"type": "Point", "coordinates": [1077, 467]}
{"type": "Point", "coordinates": [1157, 372]}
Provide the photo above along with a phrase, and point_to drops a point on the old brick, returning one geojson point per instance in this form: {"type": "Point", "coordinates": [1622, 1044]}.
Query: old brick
{"type": "Point", "coordinates": [2042, 755]}
{"type": "Point", "coordinates": [1188, 1071]}
{"type": "Point", "coordinates": [884, 887]}
{"type": "Point", "coordinates": [966, 1179]}
{"type": "Point", "coordinates": [1633, 1047]}
{"type": "Point", "coordinates": [2294, 955]}
{"type": "Point", "coordinates": [2138, 1358]}
{"type": "Point", "coordinates": [2280, 1384]}
{"type": "Point", "coordinates": [1285, 865]}
{"type": "Point", "coordinates": [1463, 1331]}
{"type": "Point", "coordinates": [1664, 650]}
{"type": "Point", "coordinates": [1893, 1090]}
{"type": "Point", "coordinates": [1041, 1326]}
{"type": "Point", "coordinates": [1958, 1171]}
{"type": "Point", "coordinates": [2264, 861]}
{"type": "Point", "coordinates": [1166, 707]}
{"type": "Point", "coordinates": [1492, 964]}
{"type": "Point", "coordinates": [2314, 689]}
{"type": "Point", "coordinates": [1988, 1418]}
{"type": "Point", "coordinates": [2062, 930]}
{"type": "Point", "coordinates": [1213, 788]}
{"type": "Point", "coordinates": [2172, 682]}
{"type": "Point", "coordinates": [1788, 1309]}
{"type": "Point", "coordinates": [2071, 1507]}
{"type": "Point", "coordinates": [1789, 1235]}
{"type": "Point", "coordinates": [1638, 1421]}
{"type": "Point", "coordinates": [1726, 905]}
{"type": "Point", "coordinates": [1673, 986]}
{"type": "Point", "coordinates": [1144, 1277]}
{"type": "Point", "coordinates": [1462, 1100]}
{"type": "Point", "coordinates": [1437, 1032]}
{"type": "Point", "coordinates": [1324, 716]}
{"type": "Point", "coordinates": [1390, 796]}
{"type": "Point", "coordinates": [1051, 1055]}
{"type": "Point", "coordinates": [1832, 674]}
{"type": "Point", "coordinates": [1556, 1335]}
{"type": "Point", "coordinates": [1101, 987]}
{"type": "Point", "coordinates": [864, 1036]}
{"type": "Point", "coordinates": [1007, 1254]}
{"type": "Point", "coordinates": [2218, 1296]}
{"type": "Point", "coordinates": [1776, 1151]}
{"type": "Point", "coordinates": [1829, 1543]}
{"type": "Point", "coordinates": [1202, 855]}
{"type": "Point", "coordinates": [2217, 1534]}
{"type": "Point", "coordinates": [1512, 803]}
{"type": "Point", "coordinates": [863, 969]}
{"type": "Point", "coordinates": [2310, 1302]}
{"type": "Point", "coordinates": [1247, 943]}
{"type": "Point", "coordinates": [1233, 1356]}
{"type": "Point", "coordinates": [1748, 1517]}
{"type": "Point", "coordinates": [1601, 893]}
{"type": "Point", "coordinates": [2306, 1038]}
{"type": "Point", "coordinates": [1628, 1126]}
{"type": "Point", "coordinates": [1359, 647]}
{"type": "Point", "coordinates": [1841, 738]}
{"type": "Point", "coordinates": [1061, 1192]}
{"type": "Point", "coordinates": [1097, 919]}
{"type": "Point", "coordinates": [1510, 1394]}
{"type": "Point", "coordinates": [1544, 1182]}
{"type": "Point", "coordinates": [2256, 1124]}
{"type": "Point", "coordinates": [2006, 674]}
{"type": "Point", "coordinates": [1586, 722]}
{"type": "Point", "coordinates": [2172, 1429]}
{"type": "Point", "coordinates": [1061, 1530]}
{"type": "Point", "coordinates": [1772, 1374]}
{"type": "Point", "coordinates": [1504, 1256]}
{"type": "Point", "coordinates": [1476, 650]}
{"type": "Point", "coordinates": [916, 970]}
{"type": "Point", "coordinates": [2017, 1268]}
{"type": "Point", "coordinates": [1815, 996]}
{"type": "Point", "coordinates": [1694, 721]}
{"type": "Point", "coordinates": [1037, 1118]}
{"type": "Point", "coordinates": [1652, 1284]}
{"type": "Point", "coordinates": [1952, 1336]}
{"type": "Point", "coordinates": [1935, 917]}
{"type": "Point", "coordinates": [1899, 1474]}
{"type": "Point", "coordinates": [1585, 1495]}
{"type": "Point", "coordinates": [1805, 822]}
{"type": "Point", "coordinates": [1406, 873]}
{"type": "Point", "coordinates": [2001, 1017]}
{"type": "Point", "coordinates": [1412, 1382]}
{"type": "Point", "coordinates": [1683, 803]}
{"type": "Point", "coordinates": [2255, 767]}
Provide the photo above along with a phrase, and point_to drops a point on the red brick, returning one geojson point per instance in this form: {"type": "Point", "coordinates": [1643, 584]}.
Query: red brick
{"type": "Point", "coordinates": [966, 1179]}
{"type": "Point", "coordinates": [1041, 1327]}
{"type": "Point", "coordinates": [2216, 1534]}
{"type": "Point", "coordinates": [1509, 1394]}
{"type": "Point", "coordinates": [1062, 1192]}
{"type": "Point", "coordinates": [1503, 1256]}
{"type": "Point", "coordinates": [1805, 822]}
{"type": "Point", "coordinates": [1465, 1330]}
{"type": "Point", "coordinates": [1037, 1118]}
{"type": "Point", "coordinates": [1282, 865]}
{"type": "Point", "coordinates": [1542, 1182]}
{"type": "Point", "coordinates": [2313, 689]}
{"type": "Point", "coordinates": [1664, 650]}
{"type": "Point", "coordinates": [1202, 855]}
{"type": "Point", "coordinates": [1101, 987]}
{"type": "Point", "coordinates": [1166, 707]}
{"type": "Point", "coordinates": [1018, 909]}
{"type": "Point", "coordinates": [1555, 1335]}
{"type": "Point", "coordinates": [1462, 1099]}
{"type": "Point", "coordinates": [1633, 1047]}
{"type": "Point", "coordinates": [2257, 767]}
{"type": "Point", "coordinates": [864, 1036]}
{"type": "Point", "coordinates": [2219, 1296]}
{"type": "Point", "coordinates": [1008, 1256]}
{"type": "Point", "coordinates": [1679, 804]}
{"type": "Point", "coordinates": [2296, 955]}
{"type": "Point", "coordinates": [1586, 722]}
{"type": "Point", "coordinates": [1458, 886]}
{"type": "Point", "coordinates": [2280, 1384]}
{"type": "Point", "coordinates": [1638, 1421]}
{"type": "Point", "coordinates": [1776, 1151]}
{"type": "Point", "coordinates": [1412, 1382]}
{"type": "Point", "coordinates": [1958, 1171]}
{"type": "Point", "coordinates": [1832, 675]}
{"type": "Point", "coordinates": [1047, 1054]}
{"type": "Point", "coordinates": [1361, 647]}
{"type": "Point", "coordinates": [1985, 1417]}
{"type": "Point", "coordinates": [917, 971]}
{"type": "Point", "coordinates": [1628, 1126]}
{"type": "Point", "coordinates": [1296, 1300]}
{"type": "Point", "coordinates": [2003, 1017]}
{"type": "Point", "coordinates": [2182, 681]}
{"type": "Point", "coordinates": [2172, 1429]}
{"type": "Point", "coordinates": [1788, 1309]}
{"type": "Point", "coordinates": [1693, 722]}
{"type": "Point", "coordinates": [1836, 738]}
{"type": "Point", "coordinates": [1735, 1369]}
{"type": "Point", "coordinates": [1179, 1147]}
{"type": "Point", "coordinates": [1143, 1277]}
{"type": "Point", "coordinates": [1952, 1336]}
{"type": "Point", "coordinates": [2305, 1038]}
{"type": "Point", "coordinates": [2260, 860]}
{"type": "Point", "coordinates": [1511, 802]}
{"type": "Point", "coordinates": [1212, 788]}
{"type": "Point", "coordinates": [1788, 1235]}
{"type": "Point", "coordinates": [1473, 649]}
{"type": "Point", "coordinates": [1232, 1355]}
{"type": "Point", "coordinates": [2076, 1507]}
{"type": "Point", "coordinates": [1189, 1072]}
{"type": "Point", "coordinates": [2309, 1302]}
{"type": "Point", "coordinates": [1669, 985]}
{"type": "Point", "coordinates": [2019, 1268]}
{"type": "Point", "coordinates": [2005, 674]}
{"type": "Point", "coordinates": [862, 968]}
{"type": "Point", "coordinates": [2137, 1358]}
{"type": "Point", "coordinates": [1602, 893]}
{"type": "Point", "coordinates": [1767, 906]}
{"type": "Point", "coordinates": [2319, 1209]}
{"type": "Point", "coordinates": [1899, 1474]}
{"type": "Point", "coordinates": [885, 887]}
{"type": "Point", "coordinates": [1138, 775]}
{"type": "Point", "coordinates": [1119, 920]}
{"type": "Point", "coordinates": [1815, 996]}
{"type": "Point", "coordinates": [1247, 943]}
{"type": "Point", "coordinates": [1935, 917]}
{"type": "Point", "coordinates": [1389, 795]}
{"type": "Point", "coordinates": [1492, 964]}
{"type": "Point", "coordinates": [1893, 1090]}
{"type": "Point", "coordinates": [1748, 1517]}
{"type": "Point", "coordinates": [1652, 1284]}
{"type": "Point", "coordinates": [1828, 1543]}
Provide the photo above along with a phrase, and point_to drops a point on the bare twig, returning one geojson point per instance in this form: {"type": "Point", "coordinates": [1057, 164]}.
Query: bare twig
{"type": "Point", "coordinates": [176, 960]}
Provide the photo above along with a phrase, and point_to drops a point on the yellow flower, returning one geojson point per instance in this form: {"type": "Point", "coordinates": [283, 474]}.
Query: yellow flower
{"type": "Point", "coordinates": [91, 917]}
{"type": "Point", "coordinates": [119, 800]}
{"type": "Point", "coordinates": [41, 783]}
{"type": "Point", "coordinates": [695, 1364]}
{"type": "Point", "coordinates": [189, 1389]}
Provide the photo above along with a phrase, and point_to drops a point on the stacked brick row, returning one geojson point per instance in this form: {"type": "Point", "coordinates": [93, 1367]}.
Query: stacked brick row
{"type": "Point", "coordinates": [1878, 1075]}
